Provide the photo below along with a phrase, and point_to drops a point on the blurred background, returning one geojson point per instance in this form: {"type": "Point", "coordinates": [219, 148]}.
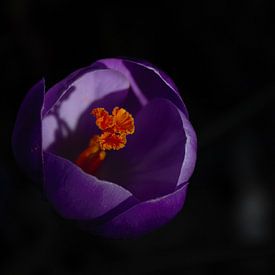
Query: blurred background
{"type": "Point", "coordinates": [222, 57]}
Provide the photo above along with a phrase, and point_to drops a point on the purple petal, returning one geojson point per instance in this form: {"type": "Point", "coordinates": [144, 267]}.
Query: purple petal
{"type": "Point", "coordinates": [190, 151]}
{"type": "Point", "coordinates": [58, 90]}
{"type": "Point", "coordinates": [75, 105]}
{"type": "Point", "coordinates": [26, 138]}
{"type": "Point", "coordinates": [150, 164]}
{"type": "Point", "coordinates": [143, 217]}
{"type": "Point", "coordinates": [147, 81]}
{"type": "Point", "coordinates": [77, 195]}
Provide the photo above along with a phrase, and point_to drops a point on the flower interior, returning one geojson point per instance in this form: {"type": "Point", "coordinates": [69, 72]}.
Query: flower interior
{"type": "Point", "coordinates": [115, 127]}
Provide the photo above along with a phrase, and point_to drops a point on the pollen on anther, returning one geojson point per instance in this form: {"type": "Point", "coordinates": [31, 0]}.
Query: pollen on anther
{"type": "Point", "coordinates": [103, 119]}
{"type": "Point", "coordinates": [115, 127]}
{"type": "Point", "coordinates": [123, 121]}
{"type": "Point", "coordinates": [112, 141]}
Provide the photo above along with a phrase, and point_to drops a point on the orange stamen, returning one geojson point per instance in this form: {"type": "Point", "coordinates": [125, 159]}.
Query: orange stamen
{"type": "Point", "coordinates": [91, 158]}
{"type": "Point", "coordinates": [115, 128]}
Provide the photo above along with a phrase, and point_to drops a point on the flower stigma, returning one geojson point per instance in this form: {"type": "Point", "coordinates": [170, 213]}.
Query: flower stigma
{"type": "Point", "coordinates": [115, 127]}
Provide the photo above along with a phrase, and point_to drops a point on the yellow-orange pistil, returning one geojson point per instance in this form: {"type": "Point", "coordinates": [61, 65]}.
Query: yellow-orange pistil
{"type": "Point", "coordinates": [115, 127]}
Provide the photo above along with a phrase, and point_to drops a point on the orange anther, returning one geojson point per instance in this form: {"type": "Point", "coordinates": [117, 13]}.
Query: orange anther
{"type": "Point", "coordinates": [103, 119]}
{"type": "Point", "coordinates": [123, 121]}
{"type": "Point", "coordinates": [112, 141]}
{"type": "Point", "coordinates": [115, 127]}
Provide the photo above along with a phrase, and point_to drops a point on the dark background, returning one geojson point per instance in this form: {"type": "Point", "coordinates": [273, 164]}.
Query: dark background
{"type": "Point", "coordinates": [222, 57]}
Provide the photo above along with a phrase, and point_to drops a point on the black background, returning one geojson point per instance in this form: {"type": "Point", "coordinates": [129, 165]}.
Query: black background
{"type": "Point", "coordinates": [222, 57]}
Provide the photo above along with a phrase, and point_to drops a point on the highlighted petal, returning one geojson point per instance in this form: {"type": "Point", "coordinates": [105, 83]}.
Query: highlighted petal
{"type": "Point", "coordinates": [189, 162]}
{"type": "Point", "coordinates": [68, 121]}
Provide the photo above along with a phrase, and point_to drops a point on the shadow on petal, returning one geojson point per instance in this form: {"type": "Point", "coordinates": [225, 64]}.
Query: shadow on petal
{"type": "Point", "coordinates": [68, 125]}
{"type": "Point", "coordinates": [70, 143]}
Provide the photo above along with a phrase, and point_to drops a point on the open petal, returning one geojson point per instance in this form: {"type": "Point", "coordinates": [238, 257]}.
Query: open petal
{"type": "Point", "coordinates": [77, 195]}
{"type": "Point", "coordinates": [143, 217]}
{"type": "Point", "coordinates": [147, 81]}
{"type": "Point", "coordinates": [150, 164]}
{"type": "Point", "coordinates": [26, 138]}
{"type": "Point", "coordinates": [68, 124]}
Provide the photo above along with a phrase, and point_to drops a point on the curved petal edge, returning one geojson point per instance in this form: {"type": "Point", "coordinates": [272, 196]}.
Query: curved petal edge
{"type": "Point", "coordinates": [190, 154]}
{"type": "Point", "coordinates": [143, 217]}
{"type": "Point", "coordinates": [143, 77]}
{"type": "Point", "coordinates": [77, 195]}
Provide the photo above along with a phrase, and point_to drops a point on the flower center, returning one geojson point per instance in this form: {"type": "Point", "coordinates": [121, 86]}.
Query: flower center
{"type": "Point", "coordinates": [115, 127]}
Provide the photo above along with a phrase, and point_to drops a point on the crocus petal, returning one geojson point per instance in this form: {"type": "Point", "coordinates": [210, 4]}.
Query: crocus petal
{"type": "Point", "coordinates": [58, 90]}
{"type": "Point", "coordinates": [26, 138]}
{"type": "Point", "coordinates": [147, 81]}
{"type": "Point", "coordinates": [150, 164]}
{"type": "Point", "coordinates": [77, 195]}
{"type": "Point", "coordinates": [190, 154]}
{"type": "Point", "coordinates": [143, 217]}
{"type": "Point", "coordinates": [76, 102]}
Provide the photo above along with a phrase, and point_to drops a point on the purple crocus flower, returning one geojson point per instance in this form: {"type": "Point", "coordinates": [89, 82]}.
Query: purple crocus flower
{"type": "Point", "coordinates": [136, 189]}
